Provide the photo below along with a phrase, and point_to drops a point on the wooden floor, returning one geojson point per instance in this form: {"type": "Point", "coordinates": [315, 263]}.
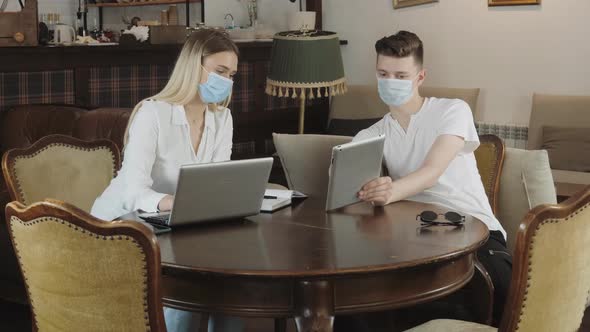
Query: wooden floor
{"type": "Point", "coordinates": [16, 318]}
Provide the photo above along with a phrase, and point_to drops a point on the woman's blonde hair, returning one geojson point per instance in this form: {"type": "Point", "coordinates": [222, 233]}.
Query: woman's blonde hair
{"type": "Point", "coordinates": [182, 87]}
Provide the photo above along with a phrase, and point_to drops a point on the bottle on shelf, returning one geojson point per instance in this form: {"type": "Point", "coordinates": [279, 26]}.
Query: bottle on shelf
{"type": "Point", "coordinates": [172, 15]}
{"type": "Point", "coordinates": [95, 33]}
{"type": "Point", "coordinates": [164, 17]}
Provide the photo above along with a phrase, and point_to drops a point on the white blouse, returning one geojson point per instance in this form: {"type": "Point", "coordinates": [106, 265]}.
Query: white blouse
{"type": "Point", "coordinates": [159, 143]}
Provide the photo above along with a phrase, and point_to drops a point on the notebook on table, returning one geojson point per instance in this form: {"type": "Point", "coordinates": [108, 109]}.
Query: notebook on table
{"type": "Point", "coordinates": [275, 199]}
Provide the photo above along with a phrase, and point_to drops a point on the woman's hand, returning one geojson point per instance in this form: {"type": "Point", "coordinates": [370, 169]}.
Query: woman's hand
{"type": "Point", "coordinates": [378, 192]}
{"type": "Point", "coordinates": [166, 203]}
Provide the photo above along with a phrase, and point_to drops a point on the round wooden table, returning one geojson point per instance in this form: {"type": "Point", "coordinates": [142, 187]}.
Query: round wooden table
{"type": "Point", "coordinates": [304, 263]}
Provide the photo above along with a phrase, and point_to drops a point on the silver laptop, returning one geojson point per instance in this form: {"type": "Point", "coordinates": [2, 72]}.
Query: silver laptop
{"type": "Point", "coordinates": [353, 165]}
{"type": "Point", "coordinates": [217, 191]}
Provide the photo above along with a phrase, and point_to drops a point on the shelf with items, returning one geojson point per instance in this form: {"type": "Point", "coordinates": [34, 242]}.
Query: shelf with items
{"type": "Point", "coordinates": [187, 3]}
{"type": "Point", "coordinates": [138, 3]}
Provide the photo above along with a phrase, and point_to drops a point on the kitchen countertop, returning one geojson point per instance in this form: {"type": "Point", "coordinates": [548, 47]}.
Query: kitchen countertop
{"type": "Point", "coordinates": [76, 47]}
{"type": "Point", "coordinates": [38, 58]}
{"type": "Point", "coordinates": [42, 58]}
{"type": "Point", "coordinates": [116, 47]}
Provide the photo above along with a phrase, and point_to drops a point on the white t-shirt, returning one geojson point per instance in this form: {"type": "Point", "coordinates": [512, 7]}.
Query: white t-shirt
{"type": "Point", "coordinates": [159, 143]}
{"type": "Point", "coordinates": [459, 188]}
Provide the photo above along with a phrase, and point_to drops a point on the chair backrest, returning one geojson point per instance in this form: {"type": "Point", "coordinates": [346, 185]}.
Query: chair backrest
{"type": "Point", "coordinates": [85, 274]}
{"type": "Point", "coordinates": [559, 111]}
{"type": "Point", "coordinates": [363, 102]}
{"type": "Point", "coordinates": [469, 96]}
{"type": "Point", "coordinates": [61, 167]}
{"type": "Point", "coordinates": [490, 158]}
{"type": "Point", "coordinates": [525, 182]}
{"type": "Point", "coordinates": [306, 160]}
{"type": "Point", "coordinates": [359, 102]}
{"type": "Point", "coordinates": [551, 275]}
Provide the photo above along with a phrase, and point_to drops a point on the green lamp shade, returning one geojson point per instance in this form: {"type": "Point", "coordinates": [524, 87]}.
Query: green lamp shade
{"type": "Point", "coordinates": [306, 65]}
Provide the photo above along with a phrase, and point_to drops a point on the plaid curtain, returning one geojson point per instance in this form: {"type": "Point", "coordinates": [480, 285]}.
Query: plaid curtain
{"type": "Point", "coordinates": [45, 87]}
{"type": "Point", "coordinates": [125, 86]}
{"type": "Point", "coordinates": [243, 95]}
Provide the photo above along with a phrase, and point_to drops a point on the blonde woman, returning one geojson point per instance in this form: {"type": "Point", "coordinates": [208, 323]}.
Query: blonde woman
{"type": "Point", "coordinates": [188, 122]}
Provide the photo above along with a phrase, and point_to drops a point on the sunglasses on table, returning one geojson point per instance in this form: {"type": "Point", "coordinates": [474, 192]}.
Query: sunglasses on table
{"type": "Point", "coordinates": [431, 218]}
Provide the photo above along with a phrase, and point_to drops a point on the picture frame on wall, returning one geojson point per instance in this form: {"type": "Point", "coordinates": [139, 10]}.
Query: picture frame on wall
{"type": "Point", "coordinates": [513, 2]}
{"type": "Point", "coordinates": [408, 3]}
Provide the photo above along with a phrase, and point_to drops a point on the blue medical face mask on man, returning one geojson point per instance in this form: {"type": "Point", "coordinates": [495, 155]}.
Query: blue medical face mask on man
{"type": "Point", "coordinates": [395, 92]}
{"type": "Point", "coordinates": [216, 89]}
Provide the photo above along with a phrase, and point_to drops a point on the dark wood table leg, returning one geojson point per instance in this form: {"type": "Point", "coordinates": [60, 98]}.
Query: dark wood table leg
{"type": "Point", "coordinates": [280, 325]}
{"type": "Point", "coordinates": [314, 306]}
{"type": "Point", "coordinates": [482, 294]}
{"type": "Point", "coordinates": [204, 325]}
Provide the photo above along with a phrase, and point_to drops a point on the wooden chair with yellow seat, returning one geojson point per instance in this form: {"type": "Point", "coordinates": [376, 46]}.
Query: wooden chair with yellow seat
{"type": "Point", "coordinates": [61, 167]}
{"type": "Point", "coordinates": [490, 159]}
{"type": "Point", "coordinates": [84, 274]}
{"type": "Point", "coordinates": [551, 278]}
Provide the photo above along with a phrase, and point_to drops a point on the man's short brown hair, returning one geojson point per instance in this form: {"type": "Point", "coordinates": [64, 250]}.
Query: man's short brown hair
{"type": "Point", "coordinates": [401, 45]}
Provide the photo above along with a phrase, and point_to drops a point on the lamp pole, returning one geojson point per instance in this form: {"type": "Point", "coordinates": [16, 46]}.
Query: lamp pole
{"type": "Point", "coordinates": [301, 114]}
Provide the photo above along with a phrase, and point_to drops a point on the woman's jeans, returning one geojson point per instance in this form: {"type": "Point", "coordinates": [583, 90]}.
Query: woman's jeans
{"type": "Point", "coordinates": [185, 321]}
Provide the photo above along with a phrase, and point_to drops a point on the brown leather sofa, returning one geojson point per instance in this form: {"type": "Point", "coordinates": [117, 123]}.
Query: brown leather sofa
{"type": "Point", "coordinates": [20, 127]}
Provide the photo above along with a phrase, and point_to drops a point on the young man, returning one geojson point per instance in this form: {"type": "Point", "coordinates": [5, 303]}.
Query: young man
{"type": "Point", "coordinates": [429, 152]}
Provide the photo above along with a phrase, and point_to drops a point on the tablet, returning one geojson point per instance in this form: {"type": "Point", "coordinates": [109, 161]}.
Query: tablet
{"type": "Point", "coordinates": [353, 165]}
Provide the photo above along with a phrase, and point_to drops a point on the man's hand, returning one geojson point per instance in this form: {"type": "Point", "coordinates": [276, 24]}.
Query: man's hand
{"type": "Point", "coordinates": [378, 192]}
{"type": "Point", "coordinates": [381, 190]}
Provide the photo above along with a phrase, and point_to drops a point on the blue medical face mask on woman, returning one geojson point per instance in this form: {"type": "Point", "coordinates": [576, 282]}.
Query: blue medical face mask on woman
{"type": "Point", "coordinates": [395, 92]}
{"type": "Point", "coordinates": [216, 89]}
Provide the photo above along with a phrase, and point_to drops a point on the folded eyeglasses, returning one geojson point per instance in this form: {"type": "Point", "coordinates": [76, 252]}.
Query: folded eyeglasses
{"type": "Point", "coordinates": [430, 218]}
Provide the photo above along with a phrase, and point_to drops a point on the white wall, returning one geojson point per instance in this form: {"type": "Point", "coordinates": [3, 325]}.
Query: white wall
{"type": "Point", "coordinates": [508, 52]}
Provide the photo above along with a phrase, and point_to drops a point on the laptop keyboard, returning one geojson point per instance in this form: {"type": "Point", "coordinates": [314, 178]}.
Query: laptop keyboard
{"type": "Point", "coordinates": [159, 220]}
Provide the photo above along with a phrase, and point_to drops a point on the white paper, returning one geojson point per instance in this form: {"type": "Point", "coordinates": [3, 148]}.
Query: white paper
{"type": "Point", "coordinates": [279, 193]}
{"type": "Point", "coordinates": [284, 193]}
